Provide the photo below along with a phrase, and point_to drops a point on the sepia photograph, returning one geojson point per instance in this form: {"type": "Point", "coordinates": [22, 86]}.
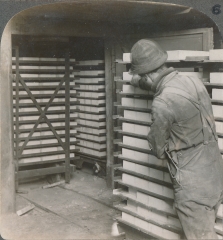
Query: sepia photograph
{"type": "Point", "coordinates": [111, 119]}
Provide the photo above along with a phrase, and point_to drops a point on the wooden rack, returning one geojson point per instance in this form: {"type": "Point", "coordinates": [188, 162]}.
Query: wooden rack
{"type": "Point", "coordinates": [44, 116]}
{"type": "Point", "coordinates": [140, 179]}
{"type": "Point", "coordinates": [90, 86]}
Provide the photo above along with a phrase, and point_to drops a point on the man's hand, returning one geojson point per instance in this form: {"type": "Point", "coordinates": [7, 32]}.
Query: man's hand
{"type": "Point", "coordinates": [135, 80]}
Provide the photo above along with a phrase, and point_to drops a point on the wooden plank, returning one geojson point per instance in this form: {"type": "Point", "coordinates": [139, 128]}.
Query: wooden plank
{"type": "Point", "coordinates": [151, 179]}
{"type": "Point", "coordinates": [43, 104]}
{"type": "Point", "coordinates": [131, 134]}
{"type": "Point", "coordinates": [158, 167]}
{"type": "Point", "coordinates": [53, 184]}
{"type": "Point", "coordinates": [21, 122]}
{"type": "Point", "coordinates": [145, 191]}
{"type": "Point", "coordinates": [133, 148]}
{"type": "Point", "coordinates": [25, 210]}
{"type": "Point", "coordinates": [213, 85]}
{"type": "Point", "coordinates": [36, 146]}
{"type": "Point", "coordinates": [38, 88]}
{"type": "Point", "coordinates": [123, 119]}
{"type": "Point", "coordinates": [36, 113]}
{"type": "Point", "coordinates": [94, 141]}
{"type": "Point", "coordinates": [133, 108]}
{"type": "Point", "coordinates": [89, 156]}
{"type": "Point", "coordinates": [45, 137]}
{"type": "Point", "coordinates": [43, 171]}
{"type": "Point", "coordinates": [47, 153]}
{"type": "Point", "coordinates": [17, 118]}
{"type": "Point", "coordinates": [32, 163]}
{"type": "Point", "coordinates": [109, 89]}
{"type": "Point", "coordinates": [40, 96]}
{"type": "Point", "coordinates": [43, 129]}
{"type": "Point", "coordinates": [41, 71]}
{"type": "Point", "coordinates": [67, 117]}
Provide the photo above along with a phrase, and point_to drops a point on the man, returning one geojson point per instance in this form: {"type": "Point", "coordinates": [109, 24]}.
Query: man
{"type": "Point", "coordinates": [183, 132]}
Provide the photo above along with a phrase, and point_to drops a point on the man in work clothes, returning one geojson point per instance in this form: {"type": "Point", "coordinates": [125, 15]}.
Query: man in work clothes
{"type": "Point", "coordinates": [183, 132]}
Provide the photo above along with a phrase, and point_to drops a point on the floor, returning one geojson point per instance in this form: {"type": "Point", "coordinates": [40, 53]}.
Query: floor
{"type": "Point", "coordinates": [82, 209]}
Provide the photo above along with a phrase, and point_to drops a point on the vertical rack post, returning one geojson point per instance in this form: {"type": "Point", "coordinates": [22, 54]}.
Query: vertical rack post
{"type": "Point", "coordinates": [17, 119]}
{"type": "Point", "coordinates": [109, 110]}
{"type": "Point", "coordinates": [67, 117]}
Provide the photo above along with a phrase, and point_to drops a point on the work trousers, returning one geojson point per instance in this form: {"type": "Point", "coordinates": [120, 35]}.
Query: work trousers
{"type": "Point", "coordinates": [197, 175]}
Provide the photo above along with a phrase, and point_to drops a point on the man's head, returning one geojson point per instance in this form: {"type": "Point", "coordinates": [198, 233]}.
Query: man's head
{"type": "Point", "coordinates": [146, 56]}
{"type": "Point", "coordinates": [147, 60]}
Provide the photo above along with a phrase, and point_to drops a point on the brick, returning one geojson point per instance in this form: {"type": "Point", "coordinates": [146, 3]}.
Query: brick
{"type": "Point", "coordinates": [176, 55]}
{"type": "Point", "coordinates": [140, 91]}
{"type": "Point", "coordinates": [157, 217]}
{"type": "Point", "coordinates": [156, 230]}
{"type": "Point", "coordinates": [216, 54]}
{"type": "Point", "coordinates": [167, 177]}
{"type": "Point", "coordinates": [129, 165]}
{"type": "Point", "coordinates": [142, 197]}
{"type": "Point", "coordinates": [128, 89]}
{"type": "Point", "coordinates": [143, 157]}
{"type": "Point", "coordinates": [126, 76]}
{"type": "Point", "coordinates": [127, 153]}
{"type": "Point", "coordinates": [170, 235]}
{"type": "Point", "coordinates": [168, 192]}
{"type": "Point", "coordinates": [220, 143]}
{"type": "Point", "coordinates": [129, 141]}
{"type": "Point", "coordinates": [126, 57]}
{"type": "Point", "coordinates": [142, 169]}
{"type": "Point", "coordinates": [128, 218]}
{"type": "Point", "coordinates": [126, 178]}
{"type": "Point", "coordinates": [156, 188]}
{"type": "Point", "coordinates": [217, 111]}
{"type": "Point", "coordinates": [143, 130]}
{"type": "Point", "coordinates": [193, 74]}
{"type": "Point", "coordinates": [147, 117]}
{"type": "Point", "coordinates": [220, 211]}
{"type": "Point", "coordinates": [143, 212]}
{"type": "Point", "coordinates": [130, 114]}
{"type": "Point", "coordinates": [128, 127]}
{"type": "Point", "coordinates": [217, 94]}
{"type": "Point", "coordinates": [149, 103]}
{"type": "Point", "coordinates": [140, 143]}
{"type": "Point", "coordinates": [132, 192]}
{"type": "Point", "coordinates": [128, 102]}
{"type": "Point", "coordinates": [140, 103]}
{"type": "Point", "coordinates": [142, 224]}
{"type": "Point", "coordinates": [141, 183]}
{"type": "Point", "coordinates": [157, 174]}
{"type": "Point", "coordinates": [216, 77]}
{"type": "Point", "coordinates": [174, 221]}
{"type": "Point", "coordinates": [131, 206]}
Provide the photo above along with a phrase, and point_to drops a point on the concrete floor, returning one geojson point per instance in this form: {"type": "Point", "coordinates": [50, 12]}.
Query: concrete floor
{"type": "Point", "coordinates": [82, 209]}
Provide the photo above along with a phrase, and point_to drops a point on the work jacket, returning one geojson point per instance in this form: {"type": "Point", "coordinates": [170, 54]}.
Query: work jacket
{"type": "Point", "coordinates": [176, 113]}
{"type": "Point", "coordinates": [183, 132]}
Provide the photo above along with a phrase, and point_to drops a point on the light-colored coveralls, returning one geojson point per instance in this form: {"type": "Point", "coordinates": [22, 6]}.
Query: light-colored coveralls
{"type": "Point", "coordinates": [183, 129]}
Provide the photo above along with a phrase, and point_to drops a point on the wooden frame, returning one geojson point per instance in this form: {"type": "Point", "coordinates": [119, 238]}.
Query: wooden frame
{"type": "Point", "coordinates": [42, 118]}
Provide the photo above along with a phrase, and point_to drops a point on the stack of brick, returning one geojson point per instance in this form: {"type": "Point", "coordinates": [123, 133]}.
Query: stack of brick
{"type": "Point", "coordinates": [42, 76]}
{"type": "Point", "coordinates": [91, 117]}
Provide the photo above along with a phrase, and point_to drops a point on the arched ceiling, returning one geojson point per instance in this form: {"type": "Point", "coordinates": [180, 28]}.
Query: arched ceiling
{"type": "Point", "coordinates": [106, 11]}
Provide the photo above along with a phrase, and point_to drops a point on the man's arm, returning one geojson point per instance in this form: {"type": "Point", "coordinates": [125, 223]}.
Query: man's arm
{"type": "Point", "coordinates": [159, 134]}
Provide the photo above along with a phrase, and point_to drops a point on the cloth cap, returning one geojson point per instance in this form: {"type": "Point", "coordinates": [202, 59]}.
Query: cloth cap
{"type": "Point", "coordinates": [146, 56]}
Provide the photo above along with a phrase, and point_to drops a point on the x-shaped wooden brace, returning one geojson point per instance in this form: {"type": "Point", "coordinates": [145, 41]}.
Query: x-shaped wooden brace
{"type": "Point", "coordinates": [42, 114]}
